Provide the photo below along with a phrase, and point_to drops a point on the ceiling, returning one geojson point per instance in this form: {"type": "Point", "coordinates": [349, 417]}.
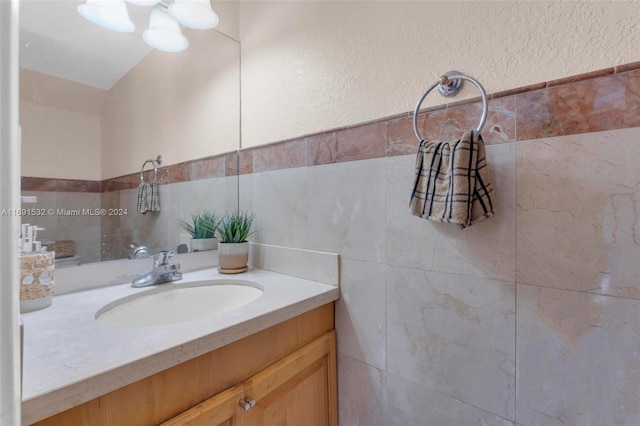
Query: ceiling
{"type": "Point", "coordinates": [56, 40]}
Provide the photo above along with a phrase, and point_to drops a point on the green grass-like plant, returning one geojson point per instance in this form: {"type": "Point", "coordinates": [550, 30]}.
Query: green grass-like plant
{"type": "Point", "coordinates": [202, 225]}
{"type": "Point", "coordinates": [235, 227]}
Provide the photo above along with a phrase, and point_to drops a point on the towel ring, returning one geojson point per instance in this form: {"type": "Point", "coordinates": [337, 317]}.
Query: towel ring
{"type": "Point", "coordinates": [449, 85]}
{"type": "Point", "coordinates": [154, 163]}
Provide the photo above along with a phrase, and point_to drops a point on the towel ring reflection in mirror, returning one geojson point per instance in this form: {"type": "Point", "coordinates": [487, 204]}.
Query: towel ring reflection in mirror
{"type": "Point", "coordinates": [155, 164]}
{"type": "Point", "coordinates": [449, 85]}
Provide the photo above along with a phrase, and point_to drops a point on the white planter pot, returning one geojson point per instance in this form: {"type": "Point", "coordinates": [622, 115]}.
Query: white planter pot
{"type": "Point", "coordinates": [204, 244]}
{"type": "Point", "coordinates": [233, 257]}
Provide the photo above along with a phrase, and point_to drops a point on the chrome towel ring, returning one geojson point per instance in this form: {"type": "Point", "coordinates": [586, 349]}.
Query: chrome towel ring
{"type": "Point", "coordinates": [449, 85]}
{"type": "Point", "coordinates": [154, 163]}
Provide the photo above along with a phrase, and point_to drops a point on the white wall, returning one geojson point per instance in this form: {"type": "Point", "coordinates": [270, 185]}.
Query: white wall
{"type": "Point", "coordinates": [315, 65]}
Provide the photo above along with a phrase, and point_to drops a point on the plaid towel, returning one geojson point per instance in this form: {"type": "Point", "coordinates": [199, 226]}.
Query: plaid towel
{"type": "Point", "coordinates": [148, 197]}
{"type": "Point", "coordinates": [452, 181]}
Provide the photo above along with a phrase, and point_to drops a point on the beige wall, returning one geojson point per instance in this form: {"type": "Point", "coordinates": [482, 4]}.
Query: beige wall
{"type": "Point", "coordinates": [181, 105]}
{"type": "Point", "coordinates": [312, 66]}
{"type": "Point", "coordinates": [60, 123]}
{"type": "Point", "coordinates": [228, 12]}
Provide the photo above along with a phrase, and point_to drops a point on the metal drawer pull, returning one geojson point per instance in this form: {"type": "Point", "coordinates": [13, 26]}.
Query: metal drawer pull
{"type": "Point", "coordinates": [247, 403]}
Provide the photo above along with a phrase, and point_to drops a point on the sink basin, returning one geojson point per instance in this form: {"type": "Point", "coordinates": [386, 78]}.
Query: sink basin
{"type": "Point", "coordinates": [172, 303]}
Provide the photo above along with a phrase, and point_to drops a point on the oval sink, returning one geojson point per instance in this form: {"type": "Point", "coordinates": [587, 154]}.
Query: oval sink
{"type": "Point", "coordinates": [178, 303]}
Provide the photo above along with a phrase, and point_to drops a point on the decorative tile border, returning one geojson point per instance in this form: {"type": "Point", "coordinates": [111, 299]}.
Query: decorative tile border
{"type": "Point", "coordinates": [595, 101]}
{"type": "Point", "coordinates": [60, 185]}
{"type": "Point", "coordinates": [201, 168]}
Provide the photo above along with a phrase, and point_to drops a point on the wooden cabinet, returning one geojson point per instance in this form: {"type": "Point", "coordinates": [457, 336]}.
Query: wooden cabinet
{"type": "Point", "coordinates": [288, 369]}
{"type": "Point", "coordinates": [297, 390]}
{"type": "Point", "coordinates": [220, 410]}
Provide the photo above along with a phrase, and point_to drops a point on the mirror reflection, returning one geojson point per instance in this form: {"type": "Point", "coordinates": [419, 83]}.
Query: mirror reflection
{"type": "Point", "coordinates": [95, 105]}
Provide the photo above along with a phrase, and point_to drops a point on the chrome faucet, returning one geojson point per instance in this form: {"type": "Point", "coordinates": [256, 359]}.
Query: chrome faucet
{"type": "Point", "coordinates": [162, 272]}
{"type": "Point", "coordinates": [138, 252]}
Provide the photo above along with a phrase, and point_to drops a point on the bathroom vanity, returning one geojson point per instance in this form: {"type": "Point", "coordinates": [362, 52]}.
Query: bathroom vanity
{"type": "Point", "coordinates": [271, 361]}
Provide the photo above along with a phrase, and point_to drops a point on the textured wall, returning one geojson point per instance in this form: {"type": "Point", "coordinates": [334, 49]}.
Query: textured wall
{"type": "Point", "coordinates": [324, 65]}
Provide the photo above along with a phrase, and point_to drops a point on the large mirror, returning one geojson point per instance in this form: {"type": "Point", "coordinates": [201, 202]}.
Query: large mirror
{"type": "Point", "coordinates": [95, 105]}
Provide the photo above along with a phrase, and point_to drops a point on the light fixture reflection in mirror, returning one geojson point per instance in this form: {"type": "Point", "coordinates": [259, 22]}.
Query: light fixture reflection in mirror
{"type": "Point", "coordinates": [109, 14]}
{"type": "Point", "coordinates": [195, 14]}
{"type": "Point", "coordinates": [164, 21]}
{"type": "Point", "coordinates": [164, 33]}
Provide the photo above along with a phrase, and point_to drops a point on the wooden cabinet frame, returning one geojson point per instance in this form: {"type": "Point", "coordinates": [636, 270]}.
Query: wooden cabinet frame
{"type": "Point", "coordinates": [298, 390]}
{"type": "Point", "coordinates": [171, 392]}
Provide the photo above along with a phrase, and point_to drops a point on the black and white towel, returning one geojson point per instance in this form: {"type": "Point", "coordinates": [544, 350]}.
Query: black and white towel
{"type": "Point", "coordinates": [452, 182]}
{"type": "Point", "coordinates": [148, 197]}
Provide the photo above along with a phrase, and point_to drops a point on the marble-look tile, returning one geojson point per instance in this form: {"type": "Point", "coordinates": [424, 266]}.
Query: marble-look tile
{"type": "Point", "coordinates": [74, 185]}
{"type": "Point", "coordinates": [580, 77]}
{"type": "Point", "coordinates": [401, 139]}
{"type": "Point", "coordinates": [38, 184]}
{"type": "Point", "coordinates": [110, 223]}
{"type": "Point", "coordinates": [361, 312]}
{"type": "Point", "coordinates": [455, 335]}
{"type": "Point", "coordinates": [361, 394]}
{"type": "Point", "coordinates": [279, 201]}
{"type": "Point", "coordinates": [517, 90]}
{"type": "Point", "coordinates": [486, 249]}
{"type": "Point", "coordinates": [318, 148]}
{"type": "Point", "coordinates": [578, 206]}
{"type": "Point", "coordinates": [245, 192]}
{"type": "Point", "coordinates": [593, 105]}
{"type": "Point", "coordinates": [231, 163]}
{"type": "Point", "coordinates": [346, 209]}
{"type": "Point", "coordinates": [451, 123]}
{"type": "Point", "coordinates": [410, 404]}
{"type": "Point", "coordinates": [357, 143]}
{"type": "Point", "coordinates": [148, 229]}
{"type": "Point", "coordinates": [44, 200]}
{"type": "Point", "coordinates": [578, 358]}
{"type": "Point", "coordinates": [245, 162]}
{"type": "Point", "coordinates": [631, 66]}
{"type": "Point", "coordinates": [179, 201]}
{"type": "Point", "coordinates": [208, 167]}
{"type": "Point", "coordinates": [279, 156]}
{"type": "Point", "coordinates": [311, 265]}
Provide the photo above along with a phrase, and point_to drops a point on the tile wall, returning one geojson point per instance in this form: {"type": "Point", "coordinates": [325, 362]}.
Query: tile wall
{"type": "Point", "coordinates": [531, 317]}
{"type": "Point", "coordinates": [206, 183]}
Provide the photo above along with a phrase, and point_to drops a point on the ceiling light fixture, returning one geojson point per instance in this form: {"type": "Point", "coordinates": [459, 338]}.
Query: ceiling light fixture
{"type": "Point", "coordinates": [164, 32]}
{"type": "Point", "coordinates": [109, 14]}
{"type": "Point", "coordinates": [164, 29]}
{"type": "Point", "coordinates": [194, 14]}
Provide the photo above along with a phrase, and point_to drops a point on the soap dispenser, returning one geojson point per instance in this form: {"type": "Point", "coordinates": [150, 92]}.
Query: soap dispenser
{"type": "Point", "coordinates": [36, 271]}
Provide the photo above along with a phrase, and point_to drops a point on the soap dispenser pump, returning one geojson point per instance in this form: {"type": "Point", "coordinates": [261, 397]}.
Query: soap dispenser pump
{"type": "Point", "coordinates": [28, 241]}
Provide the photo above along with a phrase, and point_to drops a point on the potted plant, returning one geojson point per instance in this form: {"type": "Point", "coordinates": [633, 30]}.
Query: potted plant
{"type": "Point", "coordinates": [233, 247]}
{"type": "Point", "coordinates": [202, 229]}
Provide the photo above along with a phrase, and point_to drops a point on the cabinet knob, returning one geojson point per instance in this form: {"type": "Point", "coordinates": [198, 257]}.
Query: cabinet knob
{"type": "Point", "coordinates": [247, 403]}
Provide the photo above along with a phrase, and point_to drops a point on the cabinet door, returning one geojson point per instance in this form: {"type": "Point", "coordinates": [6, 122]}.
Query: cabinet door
{"type": "Point", "coordinates": [298, 390]}
{"type": "Point", "coordinates": [220, 410]}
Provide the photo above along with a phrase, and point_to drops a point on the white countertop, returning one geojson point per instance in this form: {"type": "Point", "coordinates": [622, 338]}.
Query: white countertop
{"type": "Point", "coordinates": [70, 358]}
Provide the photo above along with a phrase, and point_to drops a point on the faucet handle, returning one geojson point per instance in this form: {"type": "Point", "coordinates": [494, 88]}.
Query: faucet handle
{"type": "Point", "coordinates": [161, 258]}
